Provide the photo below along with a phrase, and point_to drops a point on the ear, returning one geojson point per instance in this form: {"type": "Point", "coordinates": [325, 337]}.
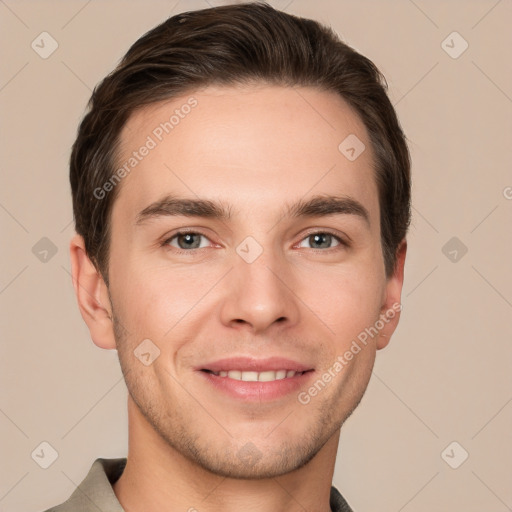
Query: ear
{"type": "Point", "coordinates": [391, 307]}
{"type": "Point", "coordinates": [92, 295]}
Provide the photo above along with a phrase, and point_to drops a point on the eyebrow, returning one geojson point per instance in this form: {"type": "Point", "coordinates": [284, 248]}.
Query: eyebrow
{"type": "Point", "coordinates": [317, 206]}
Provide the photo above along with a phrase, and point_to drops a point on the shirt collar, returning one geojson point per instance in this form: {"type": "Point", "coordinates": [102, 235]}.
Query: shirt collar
{"type": "Point", "coordinates": [95, 493]}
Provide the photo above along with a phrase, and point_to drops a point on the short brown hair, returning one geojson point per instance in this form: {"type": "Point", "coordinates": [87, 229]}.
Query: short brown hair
{"type": "Point", "coordinates": [230, 45]}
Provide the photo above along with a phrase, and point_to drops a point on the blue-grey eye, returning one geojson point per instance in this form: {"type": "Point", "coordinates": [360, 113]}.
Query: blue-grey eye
{"type": "Point", "coordinates": [187, 241]}
{"type": "Point", "coordinates": [321, 241]}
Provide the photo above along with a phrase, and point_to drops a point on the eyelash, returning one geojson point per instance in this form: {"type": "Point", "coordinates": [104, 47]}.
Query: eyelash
{"type": "Point", "coordinates": [166, 242]}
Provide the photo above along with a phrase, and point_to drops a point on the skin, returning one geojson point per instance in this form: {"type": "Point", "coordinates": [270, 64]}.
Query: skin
{"type": "Point", "coordinates": [253, 148]}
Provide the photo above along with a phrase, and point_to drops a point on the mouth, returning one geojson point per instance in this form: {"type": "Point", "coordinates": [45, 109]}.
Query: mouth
{"type": "Point", "coordinates": [252, 376]}
{"type": "Point", "coordinates": [250, 379]}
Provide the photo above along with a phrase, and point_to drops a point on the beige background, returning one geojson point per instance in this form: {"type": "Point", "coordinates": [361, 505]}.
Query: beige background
{"type": "Point", "coordinates": [446, 376]}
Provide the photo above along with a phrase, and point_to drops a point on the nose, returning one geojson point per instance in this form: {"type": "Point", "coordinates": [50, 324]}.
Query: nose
{"type": "Point", "coordinates": [259, 295]}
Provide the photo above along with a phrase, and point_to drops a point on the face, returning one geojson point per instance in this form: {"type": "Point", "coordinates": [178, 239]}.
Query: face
{"type": "Point", "coordinates": [245, 241]}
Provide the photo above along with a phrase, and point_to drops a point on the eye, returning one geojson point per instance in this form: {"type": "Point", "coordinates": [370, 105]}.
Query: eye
{"type": "Point", "coordinates": [322, 240]}
{"type": "Point", "coordinates": [190, 240]}
{"type": "Point", "coordinates": [186, 241]}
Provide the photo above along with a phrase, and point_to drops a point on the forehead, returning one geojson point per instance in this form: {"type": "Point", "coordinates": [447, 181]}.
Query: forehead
{"type": "Point", "coordinates": [251, 146]}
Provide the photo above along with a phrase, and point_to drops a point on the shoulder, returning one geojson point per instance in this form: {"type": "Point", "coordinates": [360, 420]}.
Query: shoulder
{"type": "Point", "coordinates": [338, 502]}
{"type": "Point", "coordinates": [95, 490]}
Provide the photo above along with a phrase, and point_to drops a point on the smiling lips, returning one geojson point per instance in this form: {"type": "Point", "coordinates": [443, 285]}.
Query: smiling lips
{"type": "Point", "coordinates": [249, 369]}
{"type": "Point", "coordinates": [252, 376]}
{"type": "Point", "coordinates": [250, 379]}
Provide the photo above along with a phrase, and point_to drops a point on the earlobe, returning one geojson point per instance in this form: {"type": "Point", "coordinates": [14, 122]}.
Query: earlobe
{"type": "Point", "coordinates": [92, 295]}
{"type": "Point", "coordinates": [390, 310]}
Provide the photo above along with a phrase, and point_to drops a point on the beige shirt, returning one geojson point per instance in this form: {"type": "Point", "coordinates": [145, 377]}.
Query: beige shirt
{"type": "Point", "coordinates": [95, 493]}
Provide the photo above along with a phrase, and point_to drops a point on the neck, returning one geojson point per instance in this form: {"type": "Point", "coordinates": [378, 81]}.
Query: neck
{"type": "Point", "coordinates": [157, 478]}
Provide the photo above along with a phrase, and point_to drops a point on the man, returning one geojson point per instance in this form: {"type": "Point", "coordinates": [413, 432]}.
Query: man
{"type": "Point", "coordinates": [241, 193]}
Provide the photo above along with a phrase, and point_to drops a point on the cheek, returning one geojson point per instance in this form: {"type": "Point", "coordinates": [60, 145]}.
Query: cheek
{"type": "Point", "coordinates": [348, 299]}
{"type": "Point", "coordinates": [157, 301]}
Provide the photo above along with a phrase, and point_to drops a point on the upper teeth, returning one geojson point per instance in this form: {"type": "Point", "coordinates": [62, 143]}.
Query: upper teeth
{"type": "Point", "coordinates": [256, 376]}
